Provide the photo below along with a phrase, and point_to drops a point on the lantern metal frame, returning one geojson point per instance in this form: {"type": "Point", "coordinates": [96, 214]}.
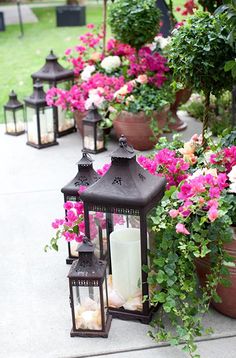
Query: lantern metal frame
{"type": "Point", "coordinates": [92, 120]}
{"type": "Point", "coordinates": [126, 189]}
{"type": "Point", "coordinates": [85, 176]}
{"type": "Point", "coordinates": [89, 271]}
{"type": "Point", "coordinates": [53, 74]}
{"type": "Point", "coordinates": [13, 105]}
{"type": "Point", "coordinates": [37, 101]}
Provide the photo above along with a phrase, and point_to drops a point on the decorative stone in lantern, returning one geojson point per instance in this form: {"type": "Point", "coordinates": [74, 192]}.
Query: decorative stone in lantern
{"type": "Point", "coordinates": [55, 75]}
{"type": "Point", "coordinates": [85, 176]}
{"type": "Point", "coordinates": [126, 194]}
{"type": "Point", "coordinates": [88, 294]}
{"type": "Point", "coordinates": [93, 134]}
{"type": "Point", "coordinates": [39, 116]}
{"type": "Point", "coordinates": [14, 116]}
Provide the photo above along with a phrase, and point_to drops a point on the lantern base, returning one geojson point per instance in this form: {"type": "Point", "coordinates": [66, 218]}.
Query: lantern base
{"type": "Point", "coordinates": [67, 131]}
{"type": "Point", "coordinates": [127, 315]}
{"type": "Point", "coordinates": [70, 260]}
{"type": "Point", "coordinates": [94, 151]}
{"type": "Point", "coordinates": [41, 146]}
{"type": "Point", "coordinates": [15, 134]}
{"type": "Point", "coordinates": [93, 334]}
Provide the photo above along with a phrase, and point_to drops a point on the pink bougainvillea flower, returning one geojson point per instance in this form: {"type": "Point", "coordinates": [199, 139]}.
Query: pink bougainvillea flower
{"type": "Point", "coordinates": [68, 205]}
{"type": "Point", "coordinates": [180, 228]}
{"type": "Point", "coordinates": [173, 213]}
{"type": "Point", "coordinates": [90, 26]}
{"type": "Point", "coordinates": [213, 214]}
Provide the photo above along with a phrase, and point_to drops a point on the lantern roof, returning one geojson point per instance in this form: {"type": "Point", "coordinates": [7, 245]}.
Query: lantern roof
{"type": "Point", "coordinates": [38, 97]}
{"type": "Point", "coordinates": [13, 102]}
{"type": "Point", "coordinates": [86, 176]}
{"type": "Point", "coordinates": [125, 185]}
{"type": "Point", "coordinates": [93, 115]}
{"type": "Point", "coordinates": [88, 266]}
{"type": "Point", "coordinates": [52, 71]}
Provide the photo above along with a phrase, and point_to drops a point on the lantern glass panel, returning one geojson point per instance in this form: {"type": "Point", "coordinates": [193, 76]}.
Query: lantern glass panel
{"type": "Point", "coordinates": [100, 138]}
{"type": "Point", "coordinates": [31, 115]}
{"type": "Point", "coordinates": [124, 285]}
{"type": "Point", "coordinates": [10, 123]}
{"type": "Point", "coordinates": [65, 120]}
{"type": "Point", "coordinates": [89, 136]}
{"type": "Point", "coordinates": [20, 122]}
{"type": "Point", "coordinates": [87, 308]}
{"type": "Point", "coordinates": [98, 233]}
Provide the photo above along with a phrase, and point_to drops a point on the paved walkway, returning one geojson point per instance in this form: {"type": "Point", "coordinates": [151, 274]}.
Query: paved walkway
{"type": "Point", "coordinates": [35, 319]}
{"type": "Point", "coordinates": [11, 15]}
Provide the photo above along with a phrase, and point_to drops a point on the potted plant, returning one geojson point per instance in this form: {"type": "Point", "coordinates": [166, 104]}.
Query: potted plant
{"type": "Point", "coordinates": [192, 223]}
{"type": "Point", "coordinates": [202, 43]}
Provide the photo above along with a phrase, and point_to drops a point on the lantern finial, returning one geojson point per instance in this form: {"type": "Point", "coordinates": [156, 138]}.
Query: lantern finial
{"type": "Point", "coordinates": [125, 151]}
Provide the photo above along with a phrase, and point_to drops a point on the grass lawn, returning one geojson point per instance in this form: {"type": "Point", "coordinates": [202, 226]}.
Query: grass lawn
{"type": "Point", "coordinates": [19, 58]}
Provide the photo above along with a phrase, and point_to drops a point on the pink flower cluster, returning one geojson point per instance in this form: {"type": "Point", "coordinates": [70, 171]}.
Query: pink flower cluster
{"type": "Point", "coordinates": [199, 194]}
{"type": "Point", "coordinates": [189, 7]}
{"type": "Point", "coordinates": [225, 159]}
{"type": "Point", "coordinates": [148, 62]}
{"type": "Point", "coordinates": [116, 48]}
{"type": "Point", "coordinates": [75, 98]}
{"type": "Point", "coordinates": [167, 163]}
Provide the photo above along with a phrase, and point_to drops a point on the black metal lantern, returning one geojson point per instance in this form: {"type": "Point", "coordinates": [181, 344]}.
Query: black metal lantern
{"type": "Point", "coordinates": [39, 116]}
{"type": "Point", "coordinates": [85, 176]}
{"type": "Point", "coordinates": [126, 194]}
{"type": "Point", "coordinates": [14, 116]}
{"type": "Point", "coordinates": [55, 75]}
{"type": "Point", "coordinates": [88, 294]}
{"type": "Point", "coordinates": [93, 134]}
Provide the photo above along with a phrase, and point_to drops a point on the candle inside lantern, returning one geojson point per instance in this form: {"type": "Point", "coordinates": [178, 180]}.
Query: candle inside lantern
{"type": "Point", "coordinates": [126, 261]}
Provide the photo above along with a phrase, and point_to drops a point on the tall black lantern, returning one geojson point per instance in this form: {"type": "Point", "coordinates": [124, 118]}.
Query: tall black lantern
{"type": "Point", "coordinates": [88, 294]}
{"type": "Point", "coordinates": [126, 195]}
{"type": "Point", "coordinates": [85, 176]}
{"type": "Point", "coordinates": [93, 134]}
{"type": "Point", "coordinates": [39, 116]}
{"type": "Point", "coordinates": [14, 116]}
{"type": "Point", "coordinates": [53, 74]}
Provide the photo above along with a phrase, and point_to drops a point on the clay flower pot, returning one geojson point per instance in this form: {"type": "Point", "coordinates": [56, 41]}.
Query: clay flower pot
{"type": "Point", "coordinates": [181, 97]}
{"type": "Point", "coordinates": [136, 128]}
{"type": "Point", "coordinates": [227, 294]}
{"type": "Point", "coordinates": [79, 120]}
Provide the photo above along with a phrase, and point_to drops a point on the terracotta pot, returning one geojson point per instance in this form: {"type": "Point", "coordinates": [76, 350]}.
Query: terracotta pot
{"type": "Point", "coordinates": [136, 128]}
{"type": "Point", "coordinates": [227, 294]}
{"type": "Point", "coordinates": [181, 97]}
{"type": "Point", "coordinates": [78, 120]}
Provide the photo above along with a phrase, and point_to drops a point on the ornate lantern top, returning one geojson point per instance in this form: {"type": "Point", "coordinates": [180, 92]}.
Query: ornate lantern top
{"type": "Point", "coordinates": [52, 71]}
{"type": "Point", "coordinates": [88, 266]}
{"type": "Point", "coordinates": [86, 175]}
{"type": "Point", "coordinates": [126, 184]}
{"type": "Point", "coordinates": [38, 97]}
{"type": "Point", "coordinates": [93, 115]}
{"type": "Point", "coordinates": [13, 102]}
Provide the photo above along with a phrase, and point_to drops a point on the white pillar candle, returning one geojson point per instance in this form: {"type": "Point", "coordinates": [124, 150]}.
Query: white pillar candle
{"type": "Point", "coordinates": [126, 261]}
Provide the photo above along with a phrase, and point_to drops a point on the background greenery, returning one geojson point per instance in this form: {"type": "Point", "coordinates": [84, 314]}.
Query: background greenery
{"type": "Point", "coordinates": [19, 58]}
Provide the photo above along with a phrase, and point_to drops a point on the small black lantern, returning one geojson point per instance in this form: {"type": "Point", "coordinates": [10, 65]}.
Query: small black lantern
{"type": "Point", "coordinates": [85, 176]}
{"type": "Point", "coordinates": [39, 116]}
{"type": "Point", "coordinates": [14, 116]}
{"type": "Point", "coordinates": [55, 75]}
{"type": "Point", "coordinates": [88, 294]}
{"type": "Point", "coordinates": [127, 194]}
{"type": "Point", "coordinates": [93, 134]}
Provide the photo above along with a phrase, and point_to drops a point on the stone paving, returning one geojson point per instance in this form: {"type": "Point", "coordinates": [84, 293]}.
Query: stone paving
{"type": "Point", "coordinates": [11, 15]}
{"type": "Point", "coordinates": [34, 306]}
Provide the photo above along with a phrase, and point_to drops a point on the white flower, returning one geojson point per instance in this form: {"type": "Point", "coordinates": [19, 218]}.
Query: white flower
{"type": "Point", "coordinates": [110, 63]}
{"type": "Point", "coordinates": [162, 42]}
{"type": "Point", "coordinates": [94, 99]}
{"type": "Point", "coordinates": [232, 188]}
{"type": "Point", "coordinates": [207, 155]}
{"type": "Point", "coordinates": [232, 175]}
{"type": "Point", "coordinates": [87, 72]}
